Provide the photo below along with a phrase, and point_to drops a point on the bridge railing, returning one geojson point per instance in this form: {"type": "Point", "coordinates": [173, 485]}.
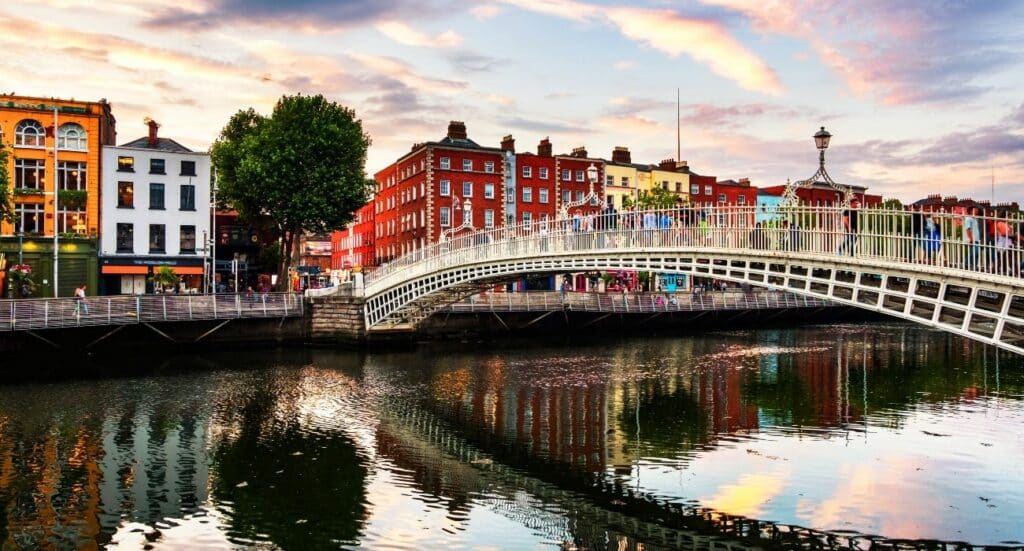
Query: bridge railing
{"type": "Point", "coordinates": [57, 313]}
{"type": "Point", "coordinates": [969, 243]}
{"type": "Point", "coordinates": [543, 301]}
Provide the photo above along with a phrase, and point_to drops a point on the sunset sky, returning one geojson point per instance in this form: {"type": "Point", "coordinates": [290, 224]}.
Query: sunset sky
{"type": "Point", "coordinates": [920, 96]}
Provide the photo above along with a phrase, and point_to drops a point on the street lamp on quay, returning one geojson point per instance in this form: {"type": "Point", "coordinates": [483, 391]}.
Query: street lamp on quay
{"type": "Point", "coordinates": [467, 218]}
{"type": "Point", "coordinates": [591, 197]}
{"type": "Point", "coordinates": [821, 141]}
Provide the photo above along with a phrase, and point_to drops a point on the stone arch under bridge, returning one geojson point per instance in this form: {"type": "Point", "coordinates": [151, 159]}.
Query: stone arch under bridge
{"type": "Point", "coordinates": [874, 276]}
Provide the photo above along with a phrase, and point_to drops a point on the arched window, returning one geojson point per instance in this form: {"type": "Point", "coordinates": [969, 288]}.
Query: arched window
{"type": "Point", "coordinates": [29, 133]}
{"type": "Point", "coordinates": [72, 136]}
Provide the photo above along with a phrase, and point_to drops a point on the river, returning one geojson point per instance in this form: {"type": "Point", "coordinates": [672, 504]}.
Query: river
{"type": "Point", "coordinates": [844, 434]}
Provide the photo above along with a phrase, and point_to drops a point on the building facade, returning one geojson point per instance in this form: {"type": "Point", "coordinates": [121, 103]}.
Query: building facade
{"type": "Point", "coordinates": [572, 182]}
{"type": "Point", "coordinates": [54, 153]}
{"type": "Point", "coordinates": [155, 212]}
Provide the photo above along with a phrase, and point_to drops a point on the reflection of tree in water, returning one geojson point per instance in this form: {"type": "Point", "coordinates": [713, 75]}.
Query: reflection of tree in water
{"type": "Point", "coordinates": [299, 490]}
{"type": "Point", "coordinates": [670, 418]}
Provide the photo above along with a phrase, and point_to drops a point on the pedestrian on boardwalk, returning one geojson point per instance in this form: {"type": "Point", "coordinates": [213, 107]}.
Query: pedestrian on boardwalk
{"type": "Point", "coordinates": [850, 227]}
{"type": "Point", "coordinates": [81, 305]}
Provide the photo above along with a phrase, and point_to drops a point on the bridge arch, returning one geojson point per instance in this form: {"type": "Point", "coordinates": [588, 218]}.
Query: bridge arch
{"type": "Point", "coordinates": [875, 276]}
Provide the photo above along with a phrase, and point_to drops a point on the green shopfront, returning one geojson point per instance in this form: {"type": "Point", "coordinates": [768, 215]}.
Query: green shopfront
{"type": "Point", "coordinates": [77, 263]}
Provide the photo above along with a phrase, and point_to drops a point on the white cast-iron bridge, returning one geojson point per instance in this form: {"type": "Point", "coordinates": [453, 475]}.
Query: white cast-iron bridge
{"type": "Point", "coordinates": [955, 272]}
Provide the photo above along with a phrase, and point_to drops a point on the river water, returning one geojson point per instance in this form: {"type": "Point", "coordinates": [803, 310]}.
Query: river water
{"type": "Point", "coordinates": [848, 434]}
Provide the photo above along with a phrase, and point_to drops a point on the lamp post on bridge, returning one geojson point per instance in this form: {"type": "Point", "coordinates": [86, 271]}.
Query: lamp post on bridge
{"type": "Point", "coordinates": [467, 218]}
{"type": "Point", "coordinates": [821, 142]}
{"type": "Point", "coordinates": [591, 197]}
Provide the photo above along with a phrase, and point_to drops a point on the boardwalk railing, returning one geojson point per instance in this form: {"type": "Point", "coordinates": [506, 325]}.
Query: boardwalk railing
{"type": "Point", "coordinates": [544, 301]}
{"type": "Point", "coordinates": [57, 313]}
{"type": "Point", "coordinates": [981, 245]}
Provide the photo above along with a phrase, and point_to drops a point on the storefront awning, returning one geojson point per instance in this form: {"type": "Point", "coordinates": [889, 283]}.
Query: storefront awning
{"type": "Point", "coordinates": [187, 270]}
{"type": "Point", "coordinates": [127, 270]}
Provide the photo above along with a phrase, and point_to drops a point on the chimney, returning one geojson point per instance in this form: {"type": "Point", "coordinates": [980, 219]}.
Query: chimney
{"type": "Point", "coordinates": [744, 182]}
{"type": "Point", "coordinates": [153, 126]}
{"type": "Point", "coordinates": [681, 166]}
{"type": "Point", "coordinates": [508, 143]}
{"type": "Point", "coordinates": [544, 148]}
{"type": "Point", "coordinates": [621, 155]}
{"type": "Point", "coordinates": [579, 152]}
{"type": "Point", "coordinates": [667, 164]}
{"type": "Point", "coordinates": [457, 130]}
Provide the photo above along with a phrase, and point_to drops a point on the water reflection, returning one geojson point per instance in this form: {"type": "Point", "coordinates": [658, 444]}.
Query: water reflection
{"type": "Point", "coordinates": [736, 436]}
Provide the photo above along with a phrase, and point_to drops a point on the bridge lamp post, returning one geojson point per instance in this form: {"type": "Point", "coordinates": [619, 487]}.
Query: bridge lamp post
{"type": "Point", "coordinates": [591, 197]}
{"type": "Point", "coordinates": [467, 218]}
{"type": "Point", "coordinates": [821, 141]}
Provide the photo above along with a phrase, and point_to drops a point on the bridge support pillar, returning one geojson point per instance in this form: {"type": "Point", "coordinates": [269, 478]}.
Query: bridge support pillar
{"type": "Point", "coordinates": [337, 320]}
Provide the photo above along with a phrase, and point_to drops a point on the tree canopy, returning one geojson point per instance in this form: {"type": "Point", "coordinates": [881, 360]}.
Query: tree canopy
{"type": "Point", "coordinates": [654, 198]}
{"type": "Point", "coordinates": [302, 168]}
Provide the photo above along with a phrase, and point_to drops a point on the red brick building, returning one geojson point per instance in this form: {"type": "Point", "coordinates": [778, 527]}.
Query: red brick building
{"type": "Point", "coordinates": [536, 198]}
{"type": "Point", "coordinates": [820, 194]}
{"type": "Point", "coordinates": [571, 183]}
{"type": "Point", "coordinates": [354, 246]}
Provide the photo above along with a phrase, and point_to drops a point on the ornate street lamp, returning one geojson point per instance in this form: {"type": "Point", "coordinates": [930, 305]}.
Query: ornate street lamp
{"type": "Point", "coordinates": [821, 141]}
{"type": "Point", "coordinates": [591, 197]}
{"type": "Point", "coordinates": [467, 218]}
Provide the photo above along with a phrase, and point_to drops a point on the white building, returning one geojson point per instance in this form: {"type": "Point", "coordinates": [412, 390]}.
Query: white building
{"type": "Point", "coordinates": [154, 211]}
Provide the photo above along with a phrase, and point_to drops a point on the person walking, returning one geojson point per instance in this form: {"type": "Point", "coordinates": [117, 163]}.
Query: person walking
{"type": "Point", "coordinates": [81, 305]}
{"type": "Point", "coordinates": [972, 239]}
{"type": "Point", "coordinates": [850, 226]}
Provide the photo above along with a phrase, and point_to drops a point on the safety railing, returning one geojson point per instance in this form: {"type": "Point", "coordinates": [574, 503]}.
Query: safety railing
{"type": "Point", "coordinates": [969, 243]}
{"type": "Point", "coordinates": [57, 313]}
{"type": "Point", "coordinates": [545, 301]}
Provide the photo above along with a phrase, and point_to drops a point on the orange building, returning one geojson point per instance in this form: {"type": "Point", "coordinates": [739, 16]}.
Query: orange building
{"type": "Point", "coordinates": [54, 144]}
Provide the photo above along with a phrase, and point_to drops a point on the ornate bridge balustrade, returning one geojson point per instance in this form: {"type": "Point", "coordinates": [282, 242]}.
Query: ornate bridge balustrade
{"type": "Point", "coordinates": [916, 266]}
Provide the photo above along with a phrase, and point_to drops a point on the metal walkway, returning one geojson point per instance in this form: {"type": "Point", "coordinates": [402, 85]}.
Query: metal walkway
{"type": "Point", "coordinates": [62, 313]}
{"type": "Point", "coordinates": [647, 303]}
{"type": "Point", "coordinates": [899, 263]}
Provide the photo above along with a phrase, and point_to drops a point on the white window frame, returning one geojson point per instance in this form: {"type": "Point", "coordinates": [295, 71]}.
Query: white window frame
{"type": "Point", "coordinates": [566, 196]}
{"type": "Point", "coordinates": [741, 200]}
{"type": "Point", "coordinates": [542, 195]}
{"type": "Point", "coordinates": [446, 163]}
{"type": "Point", "coordinates": [72, 137]}
{"type": "Point", "coordinates": [445, 189]}
{"type": "Point", "coordinates": [721, 198]}
{"type": "Point", "coordinates": [527, 171]}
{"type": "Point", "coordinates": [489, 167]}
{"type": "Point", "coordinates": [542, 173]}
{"type": "Point", "coordinates": [488, 191]}
{"type": "Point", "coordinates": [527, 219]}
{"type": "Point", "coordinates": [579, 176]}
{"type": "Point", "coordinates": [29, 133]}
{"type": "Point", "coordinates": [579, 195]}
{"type": "Point", "coordinates": [527, 194]}
{"type": "Point", "coordinates": [467, 189]}
{"type": "Point", "coordinates": [488, 219]}
{"type": "Point", "coordinates": [707, 190]}
{"type": "Point", "coordinates": [694, 189]}
{"type": "Point", "coordinates": [566, 175]}
{"type": "Point", "coordinates": [467, 165]}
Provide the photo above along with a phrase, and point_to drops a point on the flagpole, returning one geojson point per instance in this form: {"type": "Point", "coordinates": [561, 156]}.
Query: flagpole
{"type": "Point", "coordinates": [56, 205]}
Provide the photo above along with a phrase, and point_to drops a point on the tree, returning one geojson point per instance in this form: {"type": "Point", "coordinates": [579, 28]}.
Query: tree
{"type": "Point", "coordinates": [302, 168]}
{"type": "Point", "coordinates": [6, 208]}
{"type": "Point", "coordinates": [657, 198]}
{"type": "Point", "coordinates": [892, 204]}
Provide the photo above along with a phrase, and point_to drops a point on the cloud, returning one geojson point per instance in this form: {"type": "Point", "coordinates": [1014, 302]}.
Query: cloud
{"type": "Point", "coordinates": [623, 65]}
{"type": "Point", "coordinates": [485, 11]}
{"type": "Point", "coordinates": [397, 69]}
{"type": "Point", "coordinates": [703, 114]}
{"type": "Point", "coordinates": [903, 53]}
{"type": "Point", "coordinates": [404, 34]}
{"type": "Point", "coordinates": [308, 15]}
{"type": "Point", "coordinates": [703, 40]}
{"type": "Point", "coordinates": [546, 126]}
{"type": "Point", "coordinates": [470, 62]}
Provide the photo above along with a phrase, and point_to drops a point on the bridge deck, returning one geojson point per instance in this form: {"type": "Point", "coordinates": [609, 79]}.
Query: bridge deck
{"type": "Point", "coordinates": [60, 313]}
{"type": "Point", "coordinates": [546, 301]}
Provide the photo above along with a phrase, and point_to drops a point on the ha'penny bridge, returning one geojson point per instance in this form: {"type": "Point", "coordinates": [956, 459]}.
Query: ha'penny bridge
{"type": "Point", "coordinates": [914, 266]}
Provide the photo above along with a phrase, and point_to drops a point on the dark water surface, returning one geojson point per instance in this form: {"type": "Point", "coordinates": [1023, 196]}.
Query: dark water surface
{"type": "Point", "coordinates": [836, 434]}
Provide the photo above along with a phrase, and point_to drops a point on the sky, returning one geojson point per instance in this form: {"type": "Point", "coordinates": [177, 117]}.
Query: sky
{"type": "Point", "coordinates": [921, 96]}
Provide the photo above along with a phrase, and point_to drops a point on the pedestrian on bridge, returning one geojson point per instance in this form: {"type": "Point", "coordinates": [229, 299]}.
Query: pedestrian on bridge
{"type": "Point", "coordinates": [850, 227]}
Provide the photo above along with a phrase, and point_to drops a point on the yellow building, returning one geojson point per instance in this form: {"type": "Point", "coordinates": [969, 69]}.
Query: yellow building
{"type": "Point", "coordinates": [672, 176]}
{"type": "Point", "coordinates": [54, 144]}
{"type": "Point", "coordinates": [621, 180]}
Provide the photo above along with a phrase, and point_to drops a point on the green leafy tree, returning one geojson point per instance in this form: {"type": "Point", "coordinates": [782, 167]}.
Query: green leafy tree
{"type": "Point", "coordinates": [164, 276]}
{"type": "Point", "coordinates": [302, 168]}
{"type": "Point", "coordinates": [893, 204]}
{"type": "Point", "coordinates": [657, 198]}
{"type": "Point", "coordinates": [6, 208]}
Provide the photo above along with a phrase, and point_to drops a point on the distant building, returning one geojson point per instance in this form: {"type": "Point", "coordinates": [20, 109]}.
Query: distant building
{"type": "Point", "coordinates": [155, 212]}
{"type": "Point", "coordinates": [821, 194]}
{"type": "Point", "coordinates": [959, 206]}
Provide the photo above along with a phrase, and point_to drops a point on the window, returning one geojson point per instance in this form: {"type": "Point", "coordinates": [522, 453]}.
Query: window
{"type": "Point", "coordinates": [71, 175]}
{"type": "Point", "coordinates": [721, 197]}
{"type": "Point", "coordinates": [125, 238]}
{"type": "Point", "coordinates": [707, 190]}
{"type": "Point", "coordinates": [566, 196]}
{"type": "Point", "coordinates": [527, 219]}
{"type": "Point", "coordinates": [542, 195]}
{"type": "Point", "coordinates": [156, 166]}
{"type": "Point", "coordinates": [445, 215]}
{"type": "Point", "coordinates": [579, 175]}
{"type": "Point", "coordinates": [694, 189]}
{"type": "Point", "coordinates": [188, 168]}
{"type": "Point", "coordinates": [125, 195]}
{"type": "Point", "coordinates": [71, 221]}
{"type": "Point", "coordinates": [446, 188]}
{"type": "Point", "coordinates": [467, 165]}
{"type": "Point", "coordinates": [156, 238]}
{"type": "Point", "coordinates": [126, 164]}
{"type": "Point", "coordinates": [527, 172]}
{"type": "Point", "coordinates": [488, 218]}
{"type": "Point", "coordinates": [187, 238]}
{"type": "Point", "coordinates": [188, 197]}
{"type": "Point", "coordinates": [542, 173]}
{"type": "Point", "coordinates": [679, 187]}
{"type": "Point", "coordinates": [72, 136]}
{"type": "Point", "coordinates": [566, 175]}
{"type": "Point", "coordinates": [467, 189]}
{"type": "Point", "coordinates": [29, 173]}
{"type": "Point", "coordinates": [579, 195]}
{"type": "Point", "coordinates": [488, 191]}
{"type": "Point", "coordinates": [156, 197]}
{"type": "Point", "coordinates": [664, 185]}
{"type": "Point", "coordinates": [28, 218]}
{"type": "Point", "coordinates": [741, 200]}
{"type": "Point", "coordinates": [609, 180]}
{"type": "Point", "coordinates": [29, 133]}
{"type": "Point", "coordinates": [489, 166]}
{"type": "Point", "coordinates": [527, 194]}
{"type": "Point", "coordinates": [446, 163]}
